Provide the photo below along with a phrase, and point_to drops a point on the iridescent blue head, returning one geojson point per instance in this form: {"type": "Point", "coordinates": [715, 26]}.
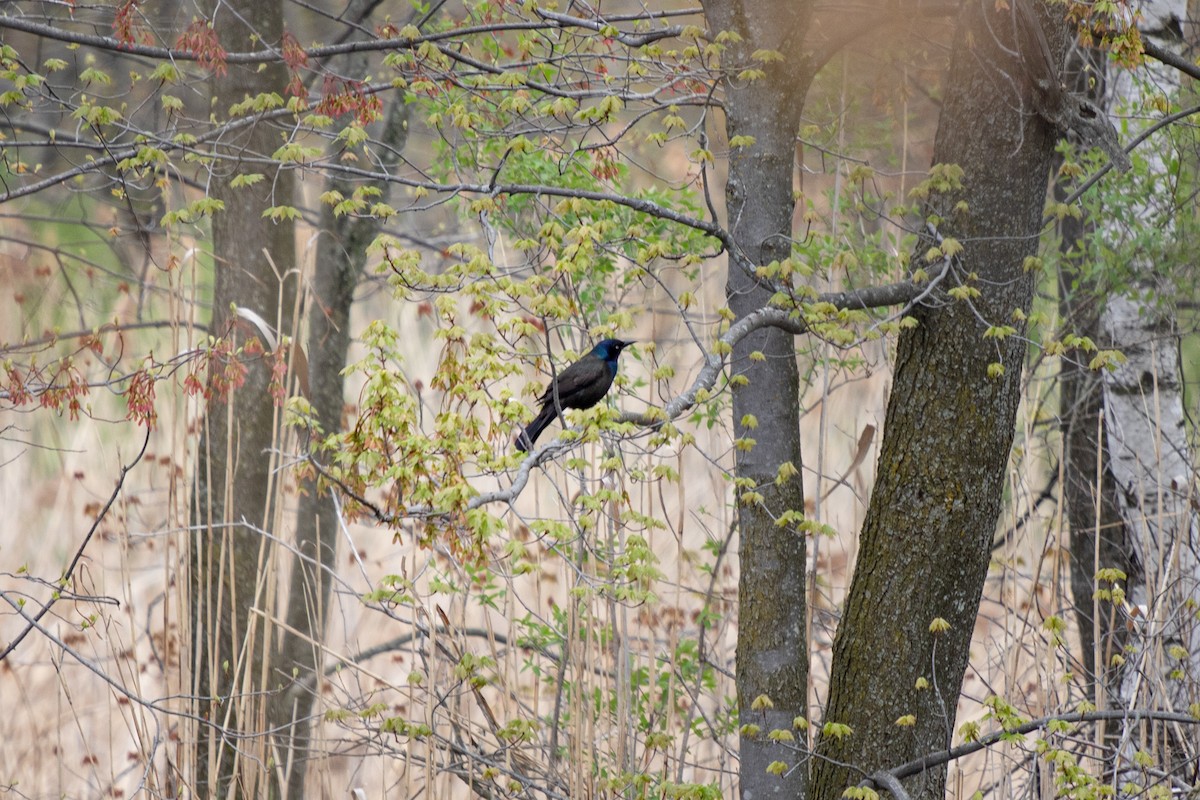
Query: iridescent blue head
{"type": "Point", "coordinates": [609, 349]}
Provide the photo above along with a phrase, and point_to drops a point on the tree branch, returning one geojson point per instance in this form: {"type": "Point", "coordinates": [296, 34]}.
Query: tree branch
{"type": "Point", "coordinates": [62, 582]}
{"type": "Point", "coordinates": [597, 25]}
{"type": "Point", "coordinates": [940, 757]}
{"type": "Point", "coordinates": [783, 319]}
{"type": "Point", "coordinates": [107, 327]}
{"type": "Point", "coordinates": [273, 55]}
{"type": "Point", "coordinates": [1048, 219]}
{"type": "Point", "coordinates": [886, 780]}
{"type": "Point", "coordinates": [1175, 60]}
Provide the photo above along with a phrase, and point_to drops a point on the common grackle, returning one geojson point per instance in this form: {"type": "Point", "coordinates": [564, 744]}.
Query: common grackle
{"type": "Point", "coordinates": [581, 385]}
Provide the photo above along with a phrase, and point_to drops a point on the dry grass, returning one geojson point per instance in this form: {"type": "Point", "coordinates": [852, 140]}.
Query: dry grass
{"type": "Point", "coordinates": [97, 704]}
{"type": "Point", "coordinates": [108, 718]}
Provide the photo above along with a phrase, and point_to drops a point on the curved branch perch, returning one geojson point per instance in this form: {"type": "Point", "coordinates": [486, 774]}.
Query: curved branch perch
{"type": "Point", "coordinates": [884, 778]}
{"type": "Point", "coordinates": [783, 319]}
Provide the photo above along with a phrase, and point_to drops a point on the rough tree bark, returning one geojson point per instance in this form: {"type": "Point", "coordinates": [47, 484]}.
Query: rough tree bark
{"type": "Point", "coordinates": [1147, 527]}
{"type": "Point", "coordinates": [1146, 434]}
{"type": "Point", "coordinates": [234, 499]}
{"type": "Point", "coordinates": [1096, 538]}
{"type": "Point", "coordinates": [772, 658]}
{"type": "Point", "coordinates": [341, 258]}
{"type": "Point", "coordinates": [926, 540]}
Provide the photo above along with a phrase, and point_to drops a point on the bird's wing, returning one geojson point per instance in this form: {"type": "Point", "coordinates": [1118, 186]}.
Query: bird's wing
{"type": "Point", "coordinates": [582, 384]}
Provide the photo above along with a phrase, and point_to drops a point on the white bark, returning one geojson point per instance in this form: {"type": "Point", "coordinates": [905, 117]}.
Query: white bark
{"type": "Point", "coordinates": [1147, 448]}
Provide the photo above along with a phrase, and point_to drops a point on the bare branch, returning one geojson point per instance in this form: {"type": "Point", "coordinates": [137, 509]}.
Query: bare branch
{"type": "Point", "coordinates": [66, 578]}
{"type": "Point", "coordinates": [945, 756]}
{"type": "Point", "coordinates": [887, 780]}
{"type": "Point", "coordinates": [108, 327]}
{"type": "Point", "coordinates": [1170, 59]}
{"type": "Point", "coordinates": [273, 55]}
{"type": "Point", "coordinates": [627, 39]}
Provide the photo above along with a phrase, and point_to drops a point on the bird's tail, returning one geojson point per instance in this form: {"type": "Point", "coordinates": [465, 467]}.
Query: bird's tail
{"type": "Point", "coordinates": [530, 434]}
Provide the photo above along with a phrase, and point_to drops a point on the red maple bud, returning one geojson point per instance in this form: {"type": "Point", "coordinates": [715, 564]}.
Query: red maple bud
{"type": "Point", "coordinates": [200, 40]}
{"type": "Point", "coordinates": [139, 399]}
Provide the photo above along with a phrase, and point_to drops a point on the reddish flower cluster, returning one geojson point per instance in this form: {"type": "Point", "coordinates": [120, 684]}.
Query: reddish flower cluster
{"type": "Point", "coordinates": [222, 368]}
{"type": "Point", "coordinates": [17, 391]}
{"type": "Point", "coordinates": [211, 373]}
{"type": "Point", "coordinates": [125, 25]}
{"type": "Point", "coordinates": [139, 399]}
{"type": "Point", "coordinates": [201, 41]}
{"type": "Point", "coordinates": [296, 60]}
{"type": "Point", "coordinates": [341, 96]}
{"type": "Point", "coordinates": [64, 389]}
{"type": "Point", "coordinates": [605, 163]}
{"type": "Point", "coordinates": [278, 376]}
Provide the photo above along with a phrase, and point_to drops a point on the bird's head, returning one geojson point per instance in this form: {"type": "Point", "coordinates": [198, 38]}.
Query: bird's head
{"type": "Point", "coordinates": [609, 349]}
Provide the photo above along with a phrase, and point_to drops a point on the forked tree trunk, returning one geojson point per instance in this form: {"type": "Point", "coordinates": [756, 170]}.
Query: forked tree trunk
{"type": "Point", "coordinates": [926, 541]}
{"type": "Point", "coordinates": [341, 258]}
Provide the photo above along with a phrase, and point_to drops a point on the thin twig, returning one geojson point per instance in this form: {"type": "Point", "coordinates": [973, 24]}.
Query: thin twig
{"type": "Point", "coordinates": [70, 570]}
{"type": "Point", "coordinates": [926, 762]}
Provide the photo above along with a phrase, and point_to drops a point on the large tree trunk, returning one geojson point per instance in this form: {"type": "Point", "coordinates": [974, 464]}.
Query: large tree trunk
{"type": "Point", "coordinates": [1096, 537]}
{"type": "Point", "coordinates": [1147, 526]}
{"type": "Point", "coordinates": [1089, 493]}
{"type": "Point", "coordinates": [772, 658]}
{"type": "Point", "coordinates": [926, 541]}
{"type": "Point", "coordinates": [341, 257]}
{"type": "Point", "coordinates": [235, 494]}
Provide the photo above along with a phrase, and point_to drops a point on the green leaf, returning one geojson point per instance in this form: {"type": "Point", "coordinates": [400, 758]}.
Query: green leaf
{"type": "Point", "coordinates": [246, 179]}
{"type": "Point", "coordinates": [281, 213]}
{"type": "Point", "coordinates": [836, 730]}
{"type": "Point", "coordinates": [999, 332]}
{"type": "Point", "coordinates": [94, 75]}
{"type": "Point", "coordinates": [1107, 359]}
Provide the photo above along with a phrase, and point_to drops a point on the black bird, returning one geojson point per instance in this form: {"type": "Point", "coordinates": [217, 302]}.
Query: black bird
{"type": "Point", "coordinates": [581, 385]}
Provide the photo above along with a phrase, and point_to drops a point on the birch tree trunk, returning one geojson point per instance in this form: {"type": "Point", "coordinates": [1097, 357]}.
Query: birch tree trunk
{"type": "Point", "coordinates": [1146, 439]}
